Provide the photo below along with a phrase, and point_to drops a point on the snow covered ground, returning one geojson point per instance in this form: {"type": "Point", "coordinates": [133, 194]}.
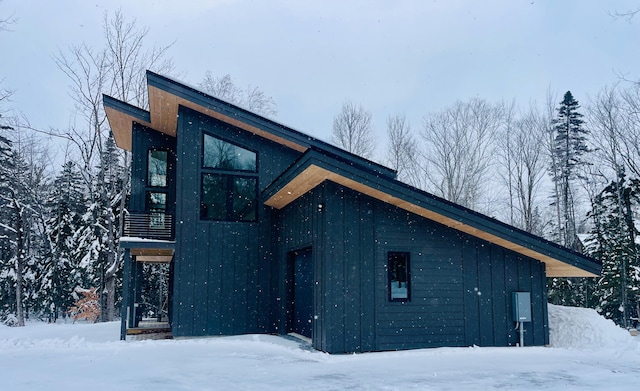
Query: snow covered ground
{"type": "Point", "coordinates": [589, 353]}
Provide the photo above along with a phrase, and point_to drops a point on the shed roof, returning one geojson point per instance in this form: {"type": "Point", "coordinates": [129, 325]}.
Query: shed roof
{"type": "Point", "coordinates": [166, 95]}
{"type": "Point", "coordinates": [315, 167]}
{"type": "Point", "coordinates": [321, 161]}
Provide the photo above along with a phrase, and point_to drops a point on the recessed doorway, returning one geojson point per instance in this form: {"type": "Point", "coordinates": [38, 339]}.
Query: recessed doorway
{"type": "Point", "coordinates": [301, 291]}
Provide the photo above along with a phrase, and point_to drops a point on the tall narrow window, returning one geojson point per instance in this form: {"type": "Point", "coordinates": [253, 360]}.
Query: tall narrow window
{"type": "Point", "coordinates": [157, 168]}
{"type": "Point", "coordinates": [399, 276]}
{"type": "Point", "coordinates": [229, 184]}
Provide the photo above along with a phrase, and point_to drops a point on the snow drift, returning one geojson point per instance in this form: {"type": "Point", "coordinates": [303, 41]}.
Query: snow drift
{"type": "Point", "coordinates": [584, 328]}
{"type": "Point", "coordinates": [72, 356]}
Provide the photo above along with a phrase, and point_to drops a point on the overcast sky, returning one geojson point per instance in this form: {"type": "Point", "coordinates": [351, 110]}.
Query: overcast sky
{"type": "Point", "coordinates": [412, 57]}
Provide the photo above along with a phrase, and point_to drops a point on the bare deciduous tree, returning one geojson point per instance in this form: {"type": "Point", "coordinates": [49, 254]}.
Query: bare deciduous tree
{"type": "Point", "coordinates": [352, 130]}
{"type": "Point", "coordinates": [402, 152]}
{"type": "Point", "coordinates": [118, 70]}
{"type": "Point", "coordinates": [458, 149]}
{"type": "Point", "coordinates": [523, 164]}
{"type": "Point", "coordinates": [252, 98]}
{"type": "Point", "coordinates": [6, 21]}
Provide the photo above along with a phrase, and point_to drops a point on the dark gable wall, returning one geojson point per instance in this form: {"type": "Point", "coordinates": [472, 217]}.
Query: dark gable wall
{"type": "Point", "coordinates": [461, 286]}
{"type": "Point", "coordinates": [222, 269]}
{"type": "Point", "coordinates": [144, 139]}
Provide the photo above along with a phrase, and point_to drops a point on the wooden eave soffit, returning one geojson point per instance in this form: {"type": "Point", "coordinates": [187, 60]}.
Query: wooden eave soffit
{"type": "Point", "coordinates": [164, 119]}
{"type": "Point", "coordinates": [313, 175]}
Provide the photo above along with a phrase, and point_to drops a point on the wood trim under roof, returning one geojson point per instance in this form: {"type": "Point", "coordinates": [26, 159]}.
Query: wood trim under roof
{"type": "Point", "coordinates": [167, 95]}
{"type": "Point", "coordinates": [121, 125]}
{"type": "Point", "coordinates": [314, 175]}
{"type": "Point", "coordinates": [164, 119]}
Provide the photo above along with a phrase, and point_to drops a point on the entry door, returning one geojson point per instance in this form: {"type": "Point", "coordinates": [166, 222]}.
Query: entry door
{"type": "Point", "coordinates": [302, 292]}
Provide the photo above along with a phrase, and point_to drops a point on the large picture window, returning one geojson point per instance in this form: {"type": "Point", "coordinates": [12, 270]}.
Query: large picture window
{"type": "Point", "coordinates": [229, 184]}
{"type": "Point", "coordinates": [399, 276]}
{"type": "Point", "coordinates": [226, 156]}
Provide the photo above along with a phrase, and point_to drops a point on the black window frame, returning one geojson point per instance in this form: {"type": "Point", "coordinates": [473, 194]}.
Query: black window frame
{"type": "Point", "coordinates": [229, 175]}
{"type": "Point", "coordinates": [205, 167]}
{"type": "Point", "coordinates": [148, 203]}
{"type": "Point", "coordinates": [392, 270]}
{"type": "Point", "coordinates": [230, 213]}
{"type": "Point", "coordinates": [166, 181]}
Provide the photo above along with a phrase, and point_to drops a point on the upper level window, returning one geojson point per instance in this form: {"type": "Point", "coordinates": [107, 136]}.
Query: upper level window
{"type": "Point", "coordinates": [157, 205]}
{"type": "Point", "coordinates": [226, 156]}
{"type": "Point", "coordinates": [157, 168]}
{"type": "Point", "coordinates": [229, 182]}
{"type": "Point", "coordinates": [399, 276]}
{"type": "Point", "coordinates": [156, 202]}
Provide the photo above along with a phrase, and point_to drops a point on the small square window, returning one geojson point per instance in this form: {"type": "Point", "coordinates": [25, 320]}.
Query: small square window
{"type": "Point", "coordinates": [399, 276]}
{"type": "Point", "coordinates": [156, 202]}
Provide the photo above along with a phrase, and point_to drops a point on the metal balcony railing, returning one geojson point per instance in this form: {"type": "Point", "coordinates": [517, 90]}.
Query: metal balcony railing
{"type": "Point", "coordinates": [150, 225]}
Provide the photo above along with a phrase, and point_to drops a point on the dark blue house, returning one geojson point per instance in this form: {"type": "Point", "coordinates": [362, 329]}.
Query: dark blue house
{"type": "Point", "coordinates": [268, 230]}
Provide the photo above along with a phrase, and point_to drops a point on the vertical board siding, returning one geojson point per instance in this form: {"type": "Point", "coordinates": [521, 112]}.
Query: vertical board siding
{"type": "Point", "coordinates": [492, 323]}
{"type": "Point", "coordinates": [231, 277]}
{"type": "Point", "coordinates": [335, 279]}
{"type": "Point", "coordinates": [435, 314]}
{"type": "Point", "coordinates": [485, 294]}
{"type": "Point", "coordinates": [218, 287]}
{"type": "Point", "coordinates": [367, 338]}
{"type": "Point", "coordinates": [511, 285]}
{"type": "Point", "coordinates": [201, 272]}
{"type": "Point", "coordinates": [471, 301]}
{"type": "Point", "coordinates": [499, 297]}
{"type": "Point", "coordinates": [350, 271]}
{"type": "Point", "coordinates": [187, 170]}
{"type": "Point", "coordinates": [524, 285]}
{"type": "Point", "coordinates": [214, 286]}
{"type": "Point", "coordinates": [461, 286]}
{"type": "Point", "coordinates": [341, 235]}
{"type": "Point", "coordinates": [298, 226]}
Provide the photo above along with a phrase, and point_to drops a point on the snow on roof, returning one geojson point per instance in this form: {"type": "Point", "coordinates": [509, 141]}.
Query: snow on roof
{"type": "Point", "coordinates": [135, 239]}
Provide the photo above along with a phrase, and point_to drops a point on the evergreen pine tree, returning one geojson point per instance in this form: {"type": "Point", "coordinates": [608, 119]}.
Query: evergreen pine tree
{"type": "Point", "coordinates": [61, 270]}
{"type": "Point", "coordinates": [18, 189]}
{"type": "Point", "coordinates": [7, 268]}
{"type": "Point", "coordinates": [110, 184]}
{"type": "Point", "coordinates": [567, 157]}
{"type": "Point", "coordinates": [612, 241]}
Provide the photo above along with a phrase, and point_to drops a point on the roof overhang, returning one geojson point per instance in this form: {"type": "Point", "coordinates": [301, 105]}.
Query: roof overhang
{"type": "Point", "coordinates": [313, 169]}
{"type": "Point", "coordinates": [149, 250]}
{"type": "Point", "coordinates": [167, 95]}
{"type": "Point", "coordinates": [121, 117]}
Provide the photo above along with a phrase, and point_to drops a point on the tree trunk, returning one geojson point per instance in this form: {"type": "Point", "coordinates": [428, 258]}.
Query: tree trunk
{"type": "Point", "coordinates": [110, 272]}
{"type": "Point", "coordinates": [19, 264]}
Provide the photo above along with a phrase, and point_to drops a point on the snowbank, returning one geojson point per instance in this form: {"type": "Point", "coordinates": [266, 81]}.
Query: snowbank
{"type": "Point", "coordinates": [72, 356]}
{"type": "Point", "coordinates": [584, 328]}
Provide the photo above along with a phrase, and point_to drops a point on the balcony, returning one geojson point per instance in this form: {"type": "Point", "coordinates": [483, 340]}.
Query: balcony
{"type": "Point", "coordinates": [149, 225]}
{"type": "Point", "coordinates": [148, 238]}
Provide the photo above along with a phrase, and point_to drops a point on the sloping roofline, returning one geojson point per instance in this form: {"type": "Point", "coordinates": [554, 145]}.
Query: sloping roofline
{"type": "Point", "coordinates": [315, 167]}
{"type": "Point", "coordinates": [166, 95]}
{"type": "Point", "coordinates": [321, 161]}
